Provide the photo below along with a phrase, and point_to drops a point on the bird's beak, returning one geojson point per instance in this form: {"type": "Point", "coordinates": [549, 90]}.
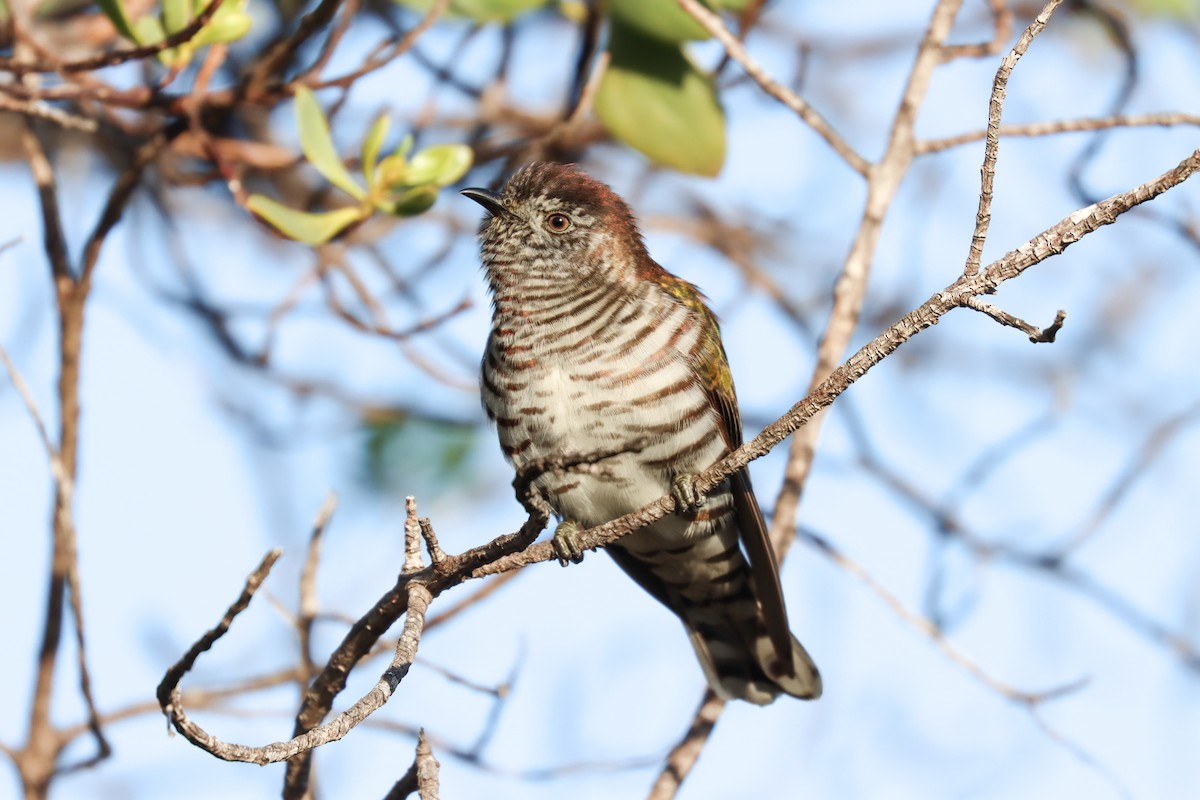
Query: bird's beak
{"type": "Point", "coordinates": [488, 199]}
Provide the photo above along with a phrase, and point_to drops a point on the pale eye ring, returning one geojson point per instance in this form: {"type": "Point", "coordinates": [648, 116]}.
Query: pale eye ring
{"type": "Point", "coordinates": [558, 223]}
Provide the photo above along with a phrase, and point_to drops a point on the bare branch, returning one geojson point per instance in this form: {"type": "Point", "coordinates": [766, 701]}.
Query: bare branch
{"type": "Point", "coordinates": [171, 679]}
{"type": "Point", "coordinates": [928, 629]}
{"type": "Point", "coordinates": [1161, 436]}
{"type": "Point", "coordinates": [436, 554]}
{"type": "Point", "coordinates": [18, 382]}
{"type": "Point", "coordinates": [482, 593]}
{"type": "Point", "coordinates": [685, 754]}
{"type": "Point", "coordinates": [422, 775]}
{"type": "Point", "coordinates": [509, 553]}
{"type": "Point", "coordinates": [363, 634]}
{"type": "Point", "coordinates": [983, 216]}
{"type": "Point", "coordinates": [49, 113]}
{"type": "Point", "coordinates": [277, 58]}
{"type": "Point", "coordinates": [713, 24]}
{"type": "Point", "coordinates": [170, 697]}
{"type": "Point", "coordinates": [427, 769]}
{"type": "Point", "coordinates": [119, 197]}
{"type": "Point", "coordinates": [1002, 29]}
{"type": "Point", "coordinates": [412, 537]}
{"type": "Point", "coordinates": [53, 240]}
{"type": "Point", "coordinates": [882, 185]}
{"type": "Point", "coordinates": [115, 57]}
{"type": "Point", "coordinates": [1035, 334]}
{"type": "Point", "coordinates": [309, 606]}
{"type": "Point", "coordinates": [1085, 124]}
{"type": "Point", "coordinates": [402, 46]}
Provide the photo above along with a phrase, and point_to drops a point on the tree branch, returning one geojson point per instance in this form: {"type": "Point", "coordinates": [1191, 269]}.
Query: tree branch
{"type": "Point", "coordinates": [713, 24]}
{"type": "Point", "coordinates": [115, 57]}
{"type": "Point", "coordinates": [983, 216]}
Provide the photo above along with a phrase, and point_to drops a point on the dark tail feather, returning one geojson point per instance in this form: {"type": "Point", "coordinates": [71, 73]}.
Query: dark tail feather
{"type": "Point", "coordinates": [734, 615]}
{"type": "Point", "coordinates": [739, 658]}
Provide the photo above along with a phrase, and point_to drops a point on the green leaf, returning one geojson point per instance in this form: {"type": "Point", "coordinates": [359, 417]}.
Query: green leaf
{"type": "Point", "coordinates": [573, 10]}
{"type": "Point", "coordinates": [415, 455]}
{"type": "Point", "coordinates": [1171, 9]}
{"type": "Point", "coordinates": [227, 25]}
{"type": "Point", "coordinates": [115, 11]}
{"type": "Point", "coordinates": [415, 201]}
{"type": "Point", "coordinates": [176, 14]}
{"type": "Point", "coordinates": [301, 225]}
{"type": "Point", "coordinates": [405, 147]}
{"type": "Point", "coordinates": [660, 19]}
{"type": "Point", "coordinates": [441, 165]}
{"type": "Point", "coordinates": [317, 144]}
{"type": "Point", "coordinates": [392, 171]}
{"type": "Point", "coordinates": [149, 30]}
{"type": "Point", "coordinates": [371, 147]}
{"type": "Point", "coordinates": [480, 10]}
{"type": "Point", "coordinates": [654, 99]}
{"type": "Point", "coordinates": [495, 10]}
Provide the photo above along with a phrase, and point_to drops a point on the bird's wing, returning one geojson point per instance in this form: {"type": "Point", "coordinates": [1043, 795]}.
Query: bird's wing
{"type": "Point", "coordinates": [712, 372]}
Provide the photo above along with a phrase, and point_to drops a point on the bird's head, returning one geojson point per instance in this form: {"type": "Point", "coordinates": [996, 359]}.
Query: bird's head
{"type": "Point", "coordinates": [555, 221]}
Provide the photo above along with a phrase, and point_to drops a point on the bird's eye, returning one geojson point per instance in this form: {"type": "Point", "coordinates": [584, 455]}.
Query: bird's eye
{"type": "Point", "coordinates": [559, 223]}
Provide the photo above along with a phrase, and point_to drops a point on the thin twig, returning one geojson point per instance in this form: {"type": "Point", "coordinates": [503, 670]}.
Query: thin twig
{"type": "Point", "coordinates": [309, 604]}
{"type": "Point", "coordinates": [170, 697]}
{"type": "Point", "coordinates": [1036, 335]}
{"type": "Point", "coordinates": [49, 113]}
{"type": "Point", "coordinates": [412, 537]}
{"type": "Point", "coordinates": [53, 240]}
{"type": "Point", "coordinates": [933, 633]}
{"type": "Point", "coordinates": [115, 57]}
{"type": "Point", "coordinates": [18, 382]}
{"type": "Point", "coordinates": [345, 17]}
{"type": "Point", "coordinates": [403, 45]}
{"type": "Point", "coordinates": [684, 755]}
{"type": "Point", "coordinates": [427, 769]}
{"type": "Point", "coordinates": [713, 24]}
{"type": "Point", "coordinates": [422, 774]}
{"type": "Point", "coordinates": [983, 217]}
{"type": "Point", "coordinates": [1001, 30]}
{"type": "Point", "coordinates": [1082, 125]}
{"type": "Point", "coordinates": [184, 665]}
{"type": "Point", "coordinates": [1137, 469]}
{"type": "Point", "coordinates": [467, 602]}
{"type": "Point", "coordinates": [280, 55]}
{"type": "Point", "coordinates": [436, 554]}
{"type": "Point", "coordinates": [850, 289]}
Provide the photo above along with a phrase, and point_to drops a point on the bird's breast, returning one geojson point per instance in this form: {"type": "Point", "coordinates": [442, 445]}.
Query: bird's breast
{"type": "Point", "coordinates": [615, 383]}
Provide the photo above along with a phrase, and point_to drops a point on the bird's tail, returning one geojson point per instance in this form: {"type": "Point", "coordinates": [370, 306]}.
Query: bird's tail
{"type": "Point", "coordinates": [738, 657]}
{"type": "Point", "coordinates": [708, 584]}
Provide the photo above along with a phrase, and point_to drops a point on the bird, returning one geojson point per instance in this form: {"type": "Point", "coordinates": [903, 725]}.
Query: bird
{"type": "Point", "coordinates": [595, 348]}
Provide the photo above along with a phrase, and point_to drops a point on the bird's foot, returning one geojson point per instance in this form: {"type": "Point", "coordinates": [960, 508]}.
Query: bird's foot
{"type": "Point", "coordinates": [566, 543]}
{"type": "Point", "coordinates": [687, 497]}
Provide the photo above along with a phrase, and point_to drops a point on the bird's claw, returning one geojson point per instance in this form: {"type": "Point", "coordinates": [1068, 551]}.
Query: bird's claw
{"type": "Point", "coordinates": [687, 497]}
{"type": "Point", "coordinates": [566, 543]}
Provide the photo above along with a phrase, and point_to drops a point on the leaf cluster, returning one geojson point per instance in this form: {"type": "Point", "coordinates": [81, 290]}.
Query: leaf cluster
{"type": "Point", "coordinates": [229, 23]}
{"type": "Point", "coordinates": [395, 184]}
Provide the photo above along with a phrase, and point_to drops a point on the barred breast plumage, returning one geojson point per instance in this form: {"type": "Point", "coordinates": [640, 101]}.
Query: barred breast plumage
{"type": "Point", "coordinates": [594, 347]}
